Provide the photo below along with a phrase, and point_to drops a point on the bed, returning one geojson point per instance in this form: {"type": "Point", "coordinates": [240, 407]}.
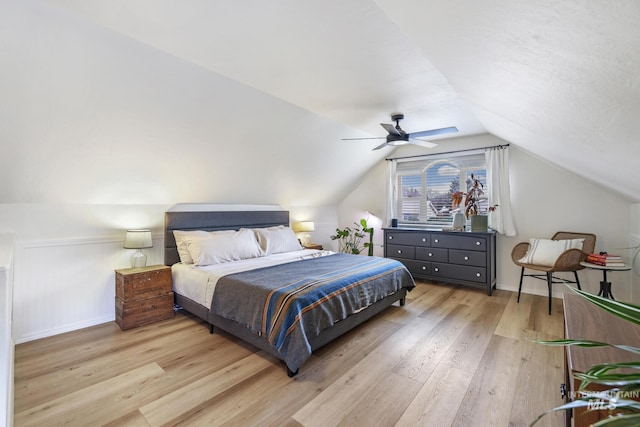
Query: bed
{"type": "Point", "coordinates": [300, 299]}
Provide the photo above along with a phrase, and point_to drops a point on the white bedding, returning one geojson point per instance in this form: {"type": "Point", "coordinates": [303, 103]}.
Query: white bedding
{"type": "Point", "coordinates": [198, 283]}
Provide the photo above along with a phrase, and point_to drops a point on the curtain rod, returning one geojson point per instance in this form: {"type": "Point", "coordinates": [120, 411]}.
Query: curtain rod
{"type": "Point", "coordinates": [449, 152]}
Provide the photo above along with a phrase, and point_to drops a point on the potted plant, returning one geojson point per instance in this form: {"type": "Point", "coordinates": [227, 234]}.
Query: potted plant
{"type": "Point", "coordinates": [349, 240]}
{"type": "Point", "coordinates": [475, 190]}
{"type": "Point", "coordinates": [607, 374]}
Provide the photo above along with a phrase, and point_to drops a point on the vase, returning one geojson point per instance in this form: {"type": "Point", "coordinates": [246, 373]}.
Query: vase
{"type": "Point", "coordinates": [458, 221]}
{"type": "Point", "coordinates": [479, 222]}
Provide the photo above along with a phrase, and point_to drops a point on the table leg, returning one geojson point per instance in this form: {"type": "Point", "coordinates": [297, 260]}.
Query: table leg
{"type": "Point", "coordinates": [605, 287]}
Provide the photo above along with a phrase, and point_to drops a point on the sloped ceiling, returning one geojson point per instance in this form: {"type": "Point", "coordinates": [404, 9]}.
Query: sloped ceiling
{"type": "Point", "coordinates": [273, 86]}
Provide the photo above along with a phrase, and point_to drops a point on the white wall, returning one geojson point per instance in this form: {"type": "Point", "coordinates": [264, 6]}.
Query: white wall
{"type": "Point", "coordinates": [545, 199]}
{"type": "Point", "coordinates": [66, 254]}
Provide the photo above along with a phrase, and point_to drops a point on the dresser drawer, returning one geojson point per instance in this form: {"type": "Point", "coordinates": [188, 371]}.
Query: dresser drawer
{"type": "Point", "coordinates": [432, 254]}
{"type": "Point", "coordinates": [459, 272]}
{"type": "Point", "coordinates": [401, 251]}
{"type": "Point", "coordinates": [417, 268]}
{"type": "Point", "coordinates": [457, 256]}
{"type": "Point", "coordinates": [413, 239]}
{"type": "Point", "coordinates": [459, 242]}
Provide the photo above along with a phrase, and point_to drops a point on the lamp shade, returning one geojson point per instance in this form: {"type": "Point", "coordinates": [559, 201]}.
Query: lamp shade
{"type": "Point", "coordinates": [138, 239]}
{"type": "Point", "coordinates": [303, 226]}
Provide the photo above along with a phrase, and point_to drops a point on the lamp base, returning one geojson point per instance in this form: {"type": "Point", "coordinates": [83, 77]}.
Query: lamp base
{"type": "Point", "coordinates": [138, 259]}
{"type": "Point", "coordinates": [306, 239]}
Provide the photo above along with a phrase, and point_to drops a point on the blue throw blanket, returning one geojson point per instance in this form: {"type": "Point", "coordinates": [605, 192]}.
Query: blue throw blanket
{"type": "Point", "coordinates": [290, 303]}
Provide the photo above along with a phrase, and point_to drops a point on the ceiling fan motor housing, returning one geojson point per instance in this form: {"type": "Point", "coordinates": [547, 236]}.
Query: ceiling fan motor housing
{"type": "Point", "coordinates": [398, 139]}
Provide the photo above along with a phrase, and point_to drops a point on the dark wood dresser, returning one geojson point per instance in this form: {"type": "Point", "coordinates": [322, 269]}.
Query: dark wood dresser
{"type": "Point", "coordinates": [143, 295]}
{"type": "Point", "coordinates": [584, 320]}
{"type": "Point", "coordinates": [460, 257]}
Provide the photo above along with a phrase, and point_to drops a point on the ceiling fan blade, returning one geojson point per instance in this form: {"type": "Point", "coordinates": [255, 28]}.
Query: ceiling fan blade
{"type": "Point", "coordinates": [360, 139]}
{"type": "Point", "coordinates": [380, 146]}
{"type": "Point", "coordinates": [422, 143]}
{"type": "Point", "coordinates": [390, 128]}
{"type": "Point", "coordinates": [433, 132]}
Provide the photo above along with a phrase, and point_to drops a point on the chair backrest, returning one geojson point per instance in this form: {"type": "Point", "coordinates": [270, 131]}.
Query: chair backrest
{"type": "Point", "coordinates": [588, 246]}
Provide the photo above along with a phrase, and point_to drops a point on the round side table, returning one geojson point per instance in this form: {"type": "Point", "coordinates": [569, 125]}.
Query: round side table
{"type": "Point", "coordinates": [605, 286]}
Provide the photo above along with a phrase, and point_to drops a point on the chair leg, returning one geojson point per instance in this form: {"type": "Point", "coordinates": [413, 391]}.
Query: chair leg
{"type": "Point", "coordinates": [549, 283]}
{"type": "Point", "coordinates": [577, 280]}
{"type": "Point", "coordinates": [520, 287]}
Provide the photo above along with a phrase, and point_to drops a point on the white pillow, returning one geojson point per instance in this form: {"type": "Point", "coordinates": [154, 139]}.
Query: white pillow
{"type": "Point", "coordinates": [275, 240]}
{"type": "Point", "coordinates": [546, 252]}
{"type": "Point", "coordinates": [184, 237]}
{"type": "Point", "coordinates": [224, 247]}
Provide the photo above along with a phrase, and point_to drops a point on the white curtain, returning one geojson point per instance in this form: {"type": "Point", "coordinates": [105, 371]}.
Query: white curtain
{"type": "Point", "coordinates": [498, 190]}
{"type": "Point", "coordinates": [390, 211]}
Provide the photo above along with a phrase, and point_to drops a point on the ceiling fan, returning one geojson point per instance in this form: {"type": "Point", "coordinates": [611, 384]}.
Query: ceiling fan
{"type": "Point", "coordinates": [397, 136]}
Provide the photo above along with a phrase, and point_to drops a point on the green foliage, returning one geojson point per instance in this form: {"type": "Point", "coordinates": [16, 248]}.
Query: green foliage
{"type": "Point", "coordinates": [350, 240]}
{"type": "Point", "coordinates": [607, 374]}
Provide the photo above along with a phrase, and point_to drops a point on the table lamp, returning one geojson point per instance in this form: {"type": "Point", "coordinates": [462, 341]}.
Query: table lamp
{"type": "Point", "coordinates": [304, 227]}
{"type": "Point", "coordinates": [138, 239]}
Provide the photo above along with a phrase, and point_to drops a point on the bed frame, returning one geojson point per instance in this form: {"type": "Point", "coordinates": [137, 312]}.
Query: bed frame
{"type": "Point", "coordinates": [234, 220]}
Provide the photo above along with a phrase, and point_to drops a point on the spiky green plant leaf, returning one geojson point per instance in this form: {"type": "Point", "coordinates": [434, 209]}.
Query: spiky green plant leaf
{"type": "Point", "coordinates": [604, 373]}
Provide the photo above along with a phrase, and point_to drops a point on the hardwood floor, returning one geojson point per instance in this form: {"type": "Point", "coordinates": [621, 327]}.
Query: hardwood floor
{"type": "Point", "coordinates": [450, 356]}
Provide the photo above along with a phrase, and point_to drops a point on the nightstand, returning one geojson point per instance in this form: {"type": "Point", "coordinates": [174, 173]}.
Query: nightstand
{"type": "Point", "coordinates": [313, 246]}
{"type": "Point", "coordinates": [143, 295]}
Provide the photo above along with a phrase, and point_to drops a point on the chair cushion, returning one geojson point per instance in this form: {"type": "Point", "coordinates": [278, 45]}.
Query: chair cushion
{"type": "Point", "coordinates": [546, 252]}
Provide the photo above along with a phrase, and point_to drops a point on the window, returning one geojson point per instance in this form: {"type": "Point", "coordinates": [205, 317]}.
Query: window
{"type": "Point", "coordinates": [424, 187]}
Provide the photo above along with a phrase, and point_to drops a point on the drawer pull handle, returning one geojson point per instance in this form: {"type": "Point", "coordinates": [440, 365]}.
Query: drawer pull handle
{"type": "Point", "coordinates": [436, 240]}
{"type": "Point", "coordinates": [424, 268]}
{"type": "Point", "coordinates": [424, 240]}
{"type": "Point", "coordinates": [477, 243]}
{"type": "Point", "coordinates": [466, 258]}
{"type": "Point", "coordinates": [430, 254]}
{"type": "Point", "coordinates": [390, 237]}
{"type": "Point", "coordinates": [436, 269]}
{"type": "Point", "coordinates": [477, 274]}
{"type": "Point", "coordinates": [399, 251]}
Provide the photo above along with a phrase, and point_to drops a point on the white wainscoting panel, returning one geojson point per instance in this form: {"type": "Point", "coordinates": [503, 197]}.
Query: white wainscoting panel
{"type": "Point", "coordinates": [69, 284]}
{"type": "Point", "coordinates": [6, 340]}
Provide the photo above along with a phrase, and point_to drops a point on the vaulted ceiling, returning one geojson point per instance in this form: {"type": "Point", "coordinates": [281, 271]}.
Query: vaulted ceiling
{"type": "Point", "coordinates": [559, 79]}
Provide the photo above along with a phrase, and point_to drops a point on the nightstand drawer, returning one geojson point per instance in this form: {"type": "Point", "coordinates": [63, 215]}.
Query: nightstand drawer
{"type": "Point", "coordinates": [137, 313]}
{"type": "Point", "coordinates": [142, 283]}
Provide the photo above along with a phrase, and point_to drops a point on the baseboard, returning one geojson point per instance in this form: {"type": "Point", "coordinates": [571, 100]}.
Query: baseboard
{"type": "Point", "coordinates": [66, 328]}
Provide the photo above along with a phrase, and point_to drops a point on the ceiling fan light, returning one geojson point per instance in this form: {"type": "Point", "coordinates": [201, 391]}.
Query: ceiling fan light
{"type": "Point", "coordinates": [398, 142]}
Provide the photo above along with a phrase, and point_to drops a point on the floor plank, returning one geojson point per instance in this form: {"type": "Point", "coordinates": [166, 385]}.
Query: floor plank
{"type": "Point", "coordinates": [451, 356]}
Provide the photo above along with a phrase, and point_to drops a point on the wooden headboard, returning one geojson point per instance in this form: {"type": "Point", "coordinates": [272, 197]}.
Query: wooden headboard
{"type": "Point", "coordinates": [215, 220]}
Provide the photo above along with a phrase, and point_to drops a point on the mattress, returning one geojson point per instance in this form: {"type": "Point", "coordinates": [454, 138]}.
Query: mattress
{"type": "Point", "coordinates": [198, 283]}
